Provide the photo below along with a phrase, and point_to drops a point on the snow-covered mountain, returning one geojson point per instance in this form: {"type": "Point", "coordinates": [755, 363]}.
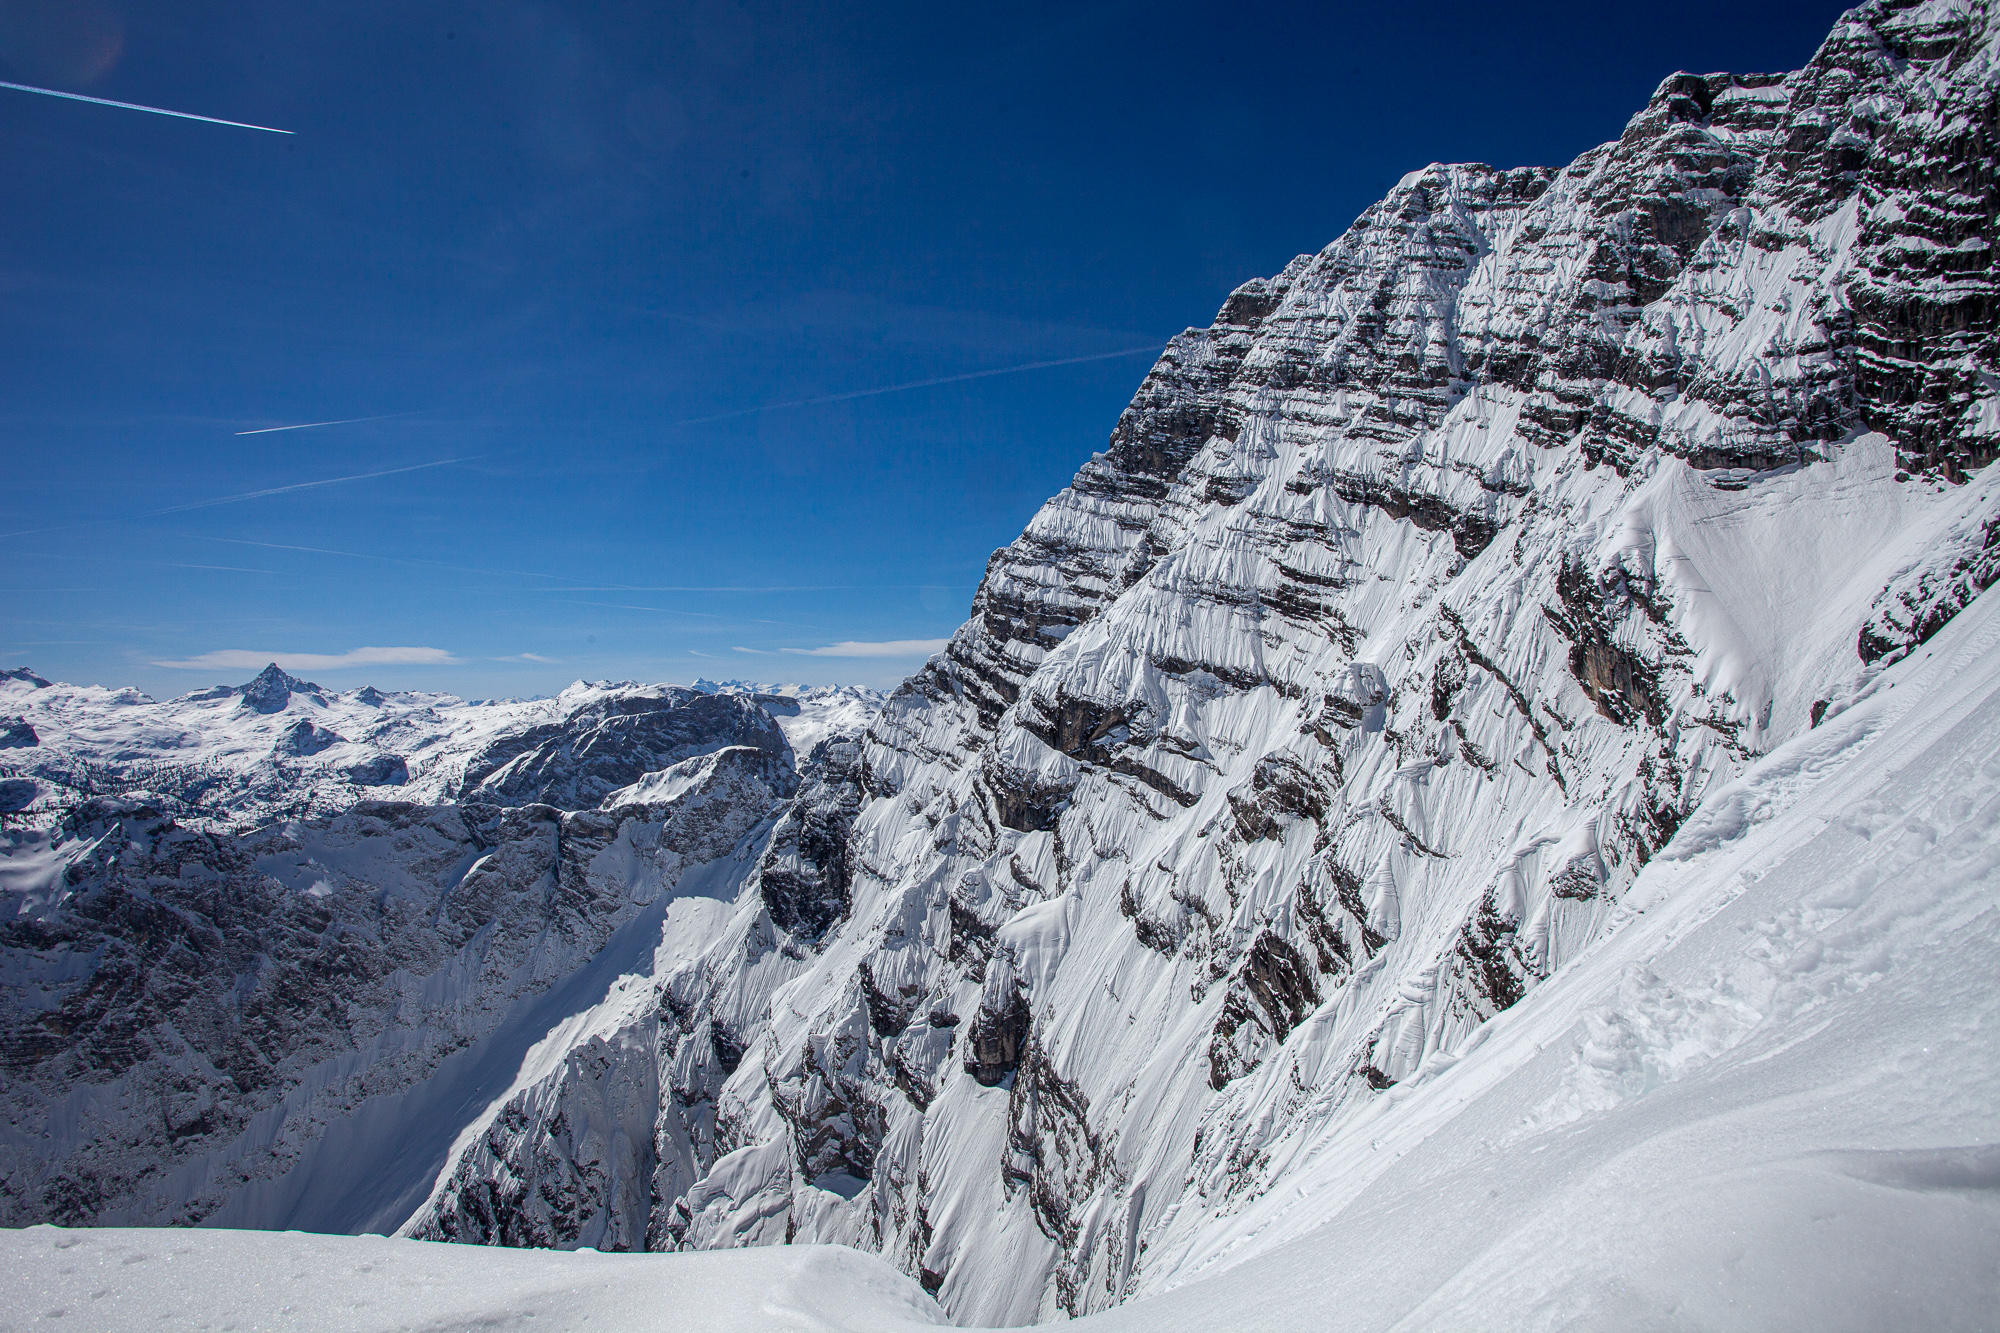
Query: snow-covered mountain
{"type": "Point", "coordinates": [1343, 800]}
{"type": "Point", "coordinates": [1414, 607]}
{"type": "Point", "coordinates": [219, 969]}
{"type": "Point", "coordinates": [233, 756]}
{"type": "Point", "coordinates": [1764, 1102]}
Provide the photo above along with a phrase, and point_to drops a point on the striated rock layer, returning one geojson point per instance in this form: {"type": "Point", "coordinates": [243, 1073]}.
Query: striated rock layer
{"type": "Point", "coordinates": [1413, 607]}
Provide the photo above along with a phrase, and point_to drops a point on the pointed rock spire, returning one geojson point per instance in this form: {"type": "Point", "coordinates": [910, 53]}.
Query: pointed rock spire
{"type": "Point", "coordinates": [273, 689]}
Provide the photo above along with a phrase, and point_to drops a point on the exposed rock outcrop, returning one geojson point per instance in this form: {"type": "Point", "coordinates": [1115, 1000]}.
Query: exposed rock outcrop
{"type": "Point", "coordinates": [613, 742]}
{"type": "Point", "coordinates": [273, 689]}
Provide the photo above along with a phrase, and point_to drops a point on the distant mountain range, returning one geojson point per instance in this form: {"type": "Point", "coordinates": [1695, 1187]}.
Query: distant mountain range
{"type": "Point", "coordinates": [236, 755]}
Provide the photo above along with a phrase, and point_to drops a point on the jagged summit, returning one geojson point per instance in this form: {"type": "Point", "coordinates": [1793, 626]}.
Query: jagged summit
{"type": "Point", "coordinates": [272, 689]}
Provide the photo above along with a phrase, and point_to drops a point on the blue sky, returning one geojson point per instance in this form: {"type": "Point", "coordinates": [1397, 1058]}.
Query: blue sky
{"type": "Point", "coordinates": [562, 253]}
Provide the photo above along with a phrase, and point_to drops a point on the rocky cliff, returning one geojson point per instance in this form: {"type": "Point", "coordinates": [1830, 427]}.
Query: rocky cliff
{"type": "Point", "coordinates": [1413, 606]}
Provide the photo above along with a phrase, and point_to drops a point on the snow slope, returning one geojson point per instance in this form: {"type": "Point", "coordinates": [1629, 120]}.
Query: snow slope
{"type": "Point", "coordinates": [114, 1280]}
{"type": "Point", "coordinates": [1771, 1100]}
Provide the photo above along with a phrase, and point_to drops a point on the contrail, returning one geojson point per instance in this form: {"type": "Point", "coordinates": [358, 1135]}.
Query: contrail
{"type": "Point", "coordinates": [134, 106]}
{"type": "Point", "coordinates": [389, 559]}
{"type": "Point", "coordinates": [663, 610]}
{"type": "Point", "coordinates": [308, 425]}
{"type": "Point", "coordinates": [530, 574]}
{"type": "Point", "coordinates": [247, 495]}
{"type": "Point", "coordinates": [916, 384]}
{"type": "Point", "coordinates": [304, 486]}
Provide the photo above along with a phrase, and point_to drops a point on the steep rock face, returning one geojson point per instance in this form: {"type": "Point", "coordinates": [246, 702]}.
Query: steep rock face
{"type": "Point", "coordinates": [565, 1162]}
{"type": "Point", "coordinates": [804, 875]}
{"type": "Point", "coordinates": [1411, 609]}
{"type": "Point", "coordinates": [1917, 156]}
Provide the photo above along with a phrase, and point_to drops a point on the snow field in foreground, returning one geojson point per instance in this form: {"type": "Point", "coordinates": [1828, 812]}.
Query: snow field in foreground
{"type": "Point", "coordinates": [119, 1279]}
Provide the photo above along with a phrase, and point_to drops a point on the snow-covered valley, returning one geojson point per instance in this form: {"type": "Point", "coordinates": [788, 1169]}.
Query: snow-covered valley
{"type": "Point", "coordinates": [1477, 809]}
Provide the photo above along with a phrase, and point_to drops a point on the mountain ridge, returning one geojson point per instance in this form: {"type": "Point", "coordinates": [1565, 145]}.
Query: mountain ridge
{"type": "Point", "coordinates": [1412, 529]}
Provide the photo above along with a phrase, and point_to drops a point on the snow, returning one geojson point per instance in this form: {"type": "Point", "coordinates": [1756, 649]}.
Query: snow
{"type": "Point", "coordinates": [372, 1168]}
{"type": "Point", "coordinates": [1771, 580]}
{"type": "Point", "coordinates": [1474, 812]}
{"type": "Point", "coordinates": [1412, 521]}
{"type": "Point", "coordinates": [1767, 584]}
{"type": "Point", "coordinates": [808, 713]}
{"type": "Point", "coordinates": [665, 785]}
{"type": "Point", "coordinates": [250, 764]}
{"type": "Point", "coordinates": [1771, 1101]}
{"type": "Point", "coordinates": [116, 1279]}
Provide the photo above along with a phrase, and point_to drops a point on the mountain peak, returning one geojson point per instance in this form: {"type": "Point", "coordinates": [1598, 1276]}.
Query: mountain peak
{"type": "Point", "coordinates": [273, 688]}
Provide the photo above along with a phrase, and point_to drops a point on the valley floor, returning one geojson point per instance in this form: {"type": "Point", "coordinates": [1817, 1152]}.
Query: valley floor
{"type": "Point", "coordinates": [1770, 1100]}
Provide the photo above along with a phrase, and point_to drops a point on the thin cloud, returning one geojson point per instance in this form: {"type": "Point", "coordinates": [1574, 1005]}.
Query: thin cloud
{"type": "Point", "coordinates": [247, 495]}
{"type": "Point", "coordinates": [731, 587]}
{"type": "Point", "coordinates": [227, 659]}
{"type": "Point", "coordinates": [1153, 349]}
{"type": "Point", "coordinates": [526, 657]}
{"type": "Point", "coordinates": [604, 587]}
{"type": "Point", "coordinates": [679, 587]}
{"type": "Point", "coordinates": [627, 606]}
{"type": "Point", "coordinates": [387, 559]}
{"type": "Point", "coordinates": [761, 652]}
{"type": "Point", "coordinates": [305, 486]}
{"type": "Point", "coordinates": [886, 648]}
{"type": "Point", "coordinates": [226, 569]}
